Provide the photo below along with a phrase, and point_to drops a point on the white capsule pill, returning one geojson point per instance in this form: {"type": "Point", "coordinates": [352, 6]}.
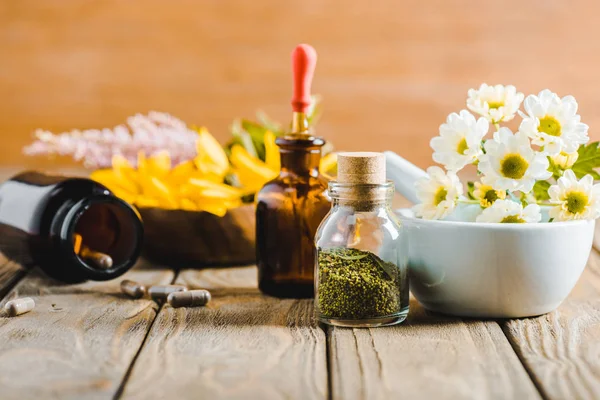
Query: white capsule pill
{"type": "Point", "coordinates": [19, 306]}
{"type": "Point", "coordinates": [161, 292]}
{"type": "Point", "coordinates": [192, 298]}
{"type": "Point", "coordinates": [98, 259]}
{"type": "Point", "coordinates": [133, 289]}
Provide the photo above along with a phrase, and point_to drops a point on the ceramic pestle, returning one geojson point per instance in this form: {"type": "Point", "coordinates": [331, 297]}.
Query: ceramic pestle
{"type": "Point", "coordinates": [404, 174]}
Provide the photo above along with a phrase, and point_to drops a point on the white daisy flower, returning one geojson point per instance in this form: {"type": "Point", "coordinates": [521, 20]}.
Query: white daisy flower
{"type": "Point", "coordinates": [511, 164]}
{"type": "Point", "coordinates": [487, 195]}
{"type": "Point", "coordinates": [459, 142]}
{"type": "Point", "coordinates": [574, 199]}
{"type": "Point", "coordinates": [438, 193]}
{"type": "Point", "coordinates": [553, 123]}
{"type": "Point", "coordinates": [565, 160]}
{"type": "Point", "coordinates": [508, 211]}
{"type": "Point", "coordinates": [496, 103]}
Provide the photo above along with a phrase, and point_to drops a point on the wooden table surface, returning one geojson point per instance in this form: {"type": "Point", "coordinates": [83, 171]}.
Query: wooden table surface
{"type": "Point", "coordinates": [88, 341]}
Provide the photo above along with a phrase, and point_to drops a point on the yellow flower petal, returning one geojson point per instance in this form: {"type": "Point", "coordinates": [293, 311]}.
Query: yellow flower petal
{"type": "Point", "coordinates": [154, 188]}
{"type": "Point", "coordinates": [159, 164]}
{"type": "Point", "coordinates": [114, 180]}
{"type": "Point", "coordinates": [242, 160]}
{"type": "Point", "coordinates": [125, 173]}
{"type": "Point", "coordinates": [328, 164]}
{"type": "Point", "coordinates": [146, 201]}
{"type": "Point", "coordinates": [272, 157]}
{"type": "Point", "coordinates": [211, 158]}
{"type": "Point", "coordinates": [188, 205]}
{"type": "Point", "coordinates": [251, 183]}
{"type": "Point", "coordinates": [141, 160]}
{"type": "Point", "coordinates": [182, 171]}
{"type": "Point", "coordinates": [207, 184]}
{"type": "Point", "coordinates": [219, 211]}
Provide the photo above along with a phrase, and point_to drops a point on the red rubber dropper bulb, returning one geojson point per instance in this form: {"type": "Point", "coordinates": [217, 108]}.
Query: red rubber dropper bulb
{"type": "Point", "coordinates": [304, 61]}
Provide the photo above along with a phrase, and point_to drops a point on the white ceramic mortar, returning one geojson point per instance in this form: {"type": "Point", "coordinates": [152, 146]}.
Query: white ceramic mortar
{"type": "Point", "coordinates": [492, 270]}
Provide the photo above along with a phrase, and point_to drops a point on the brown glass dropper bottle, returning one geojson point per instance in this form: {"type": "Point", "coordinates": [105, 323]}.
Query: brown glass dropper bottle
{"type": "Point", "coordinates": [291, 206]}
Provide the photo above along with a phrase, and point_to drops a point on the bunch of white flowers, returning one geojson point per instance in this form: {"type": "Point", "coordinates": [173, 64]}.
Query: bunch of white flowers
{"type": "Point", "coordinates": [546, 163]}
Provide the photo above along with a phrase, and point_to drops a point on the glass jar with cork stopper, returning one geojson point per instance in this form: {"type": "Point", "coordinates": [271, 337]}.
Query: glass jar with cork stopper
{"type": "Point", "coordinates": [361, 264]}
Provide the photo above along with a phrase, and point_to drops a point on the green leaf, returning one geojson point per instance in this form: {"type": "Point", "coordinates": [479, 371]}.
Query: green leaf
{"type": "Point", "coordinates": [470, 190]}
{"type": "Point", "coordinates": [540, 190]}
{"type": "Point", "coordinates": [588, 160]}
{"type": "Point", "coordinates": [257, 133]}
{"type": "Point", "coordinates": [557, 171]}
{"type": "Point", "coordinates": [240, 136]}
{"type": "Point", "coordinates": [269, 123]}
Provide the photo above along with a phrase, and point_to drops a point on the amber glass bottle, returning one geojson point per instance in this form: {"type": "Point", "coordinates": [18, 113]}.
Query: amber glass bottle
{"type": "Point", "coordinates": [41, 216]}
{"type": "Point", "coordinates": [290, 207]}
{"type": "Point", "coordinates": [289, 211]}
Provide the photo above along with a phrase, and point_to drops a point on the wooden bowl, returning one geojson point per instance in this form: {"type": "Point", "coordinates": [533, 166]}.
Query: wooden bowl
{"type": "Point", "coordinates": [192, 239]}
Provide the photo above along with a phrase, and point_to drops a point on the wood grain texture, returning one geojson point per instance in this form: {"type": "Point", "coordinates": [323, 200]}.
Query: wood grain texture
{"type": "Point", "coordinates": [10, 274]}
{"type": "Point", "coordinates": [243, 345]}
{"type": "Point", "coordinates": [428, 357]}
{"type": "Point", "coordinates": [561, 349]}
{"type": "Point", "coordinates": [390, 72]}
{"type": "Point", "coordinates": [210, 240]}
{"type": "Point", "coordinates": [79, 340]}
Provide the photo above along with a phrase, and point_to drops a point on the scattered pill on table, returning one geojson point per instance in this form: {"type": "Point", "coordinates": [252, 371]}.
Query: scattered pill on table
{"type": "Point", "coordinates": [161, 292]}
{"type": "Point", "coordinates": [133, 289]}
{"type": "Point", "coordinates": [19, 306]}
{"type": "Point", "coordinates": [192, 298]}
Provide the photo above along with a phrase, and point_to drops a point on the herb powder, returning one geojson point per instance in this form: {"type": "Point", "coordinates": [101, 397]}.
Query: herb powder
{"type": "Point", "coordinates": [355, 284]}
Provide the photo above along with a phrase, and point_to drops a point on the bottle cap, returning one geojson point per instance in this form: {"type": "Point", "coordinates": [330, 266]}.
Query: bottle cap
{"type": "Point", "coordinates": [361, 168]}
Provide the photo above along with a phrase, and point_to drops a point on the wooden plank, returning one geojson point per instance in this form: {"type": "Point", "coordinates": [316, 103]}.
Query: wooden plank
{"type": "Point", "coordinates": [79, 340]}
{"type": "Point", "coordinates": [561, 349]}
{"type": "Point", "coordinates": [10, 274]}
{"type": "Point", "coordinates": [428, 357]}
{"type": "Point", "coordinates": [242, 345]}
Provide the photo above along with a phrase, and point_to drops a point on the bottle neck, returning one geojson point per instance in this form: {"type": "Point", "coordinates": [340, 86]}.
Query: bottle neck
{"type": "Point", "coordinates": [371, 206]}
{"type": "Point", "coordinates": [299, 123]}
{"type": "Point", "coordinates": [362, 197]}
{"type": "Point", "coordinates": [300, 162]}
{"type": "Point", "coordinates": [300, 154]}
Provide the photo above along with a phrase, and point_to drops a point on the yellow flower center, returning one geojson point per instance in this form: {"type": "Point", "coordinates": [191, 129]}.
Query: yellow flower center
{"type": "Point", "coordinates": [550, 126]}
{"type": "Point", "coordinates": [495, 104]}
{"type": "Point", "coordinates": [440, 196]}
{"type": "Point", "coordinates": [513, 166]}
{"type": "Point", "coordinates": [489, 198]}
{"type": "Point", "coordinates": [462, 146]}
{"type": "Point", "coordinates": [513, 219]}
{"type": "Point", "coordinates": [576, 202]}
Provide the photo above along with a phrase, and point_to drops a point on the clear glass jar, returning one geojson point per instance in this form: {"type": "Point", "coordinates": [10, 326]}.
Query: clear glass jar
{"type": "Point", "coordinates": [361, 277]}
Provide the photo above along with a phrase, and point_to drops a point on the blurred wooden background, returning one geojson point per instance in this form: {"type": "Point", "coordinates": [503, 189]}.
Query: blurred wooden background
{"type": "Point", "coordinates": [389, 71]}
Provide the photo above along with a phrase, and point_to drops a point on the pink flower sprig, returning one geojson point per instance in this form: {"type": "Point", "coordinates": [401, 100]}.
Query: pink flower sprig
{"type": "Point", "coordinates": [152, 133]}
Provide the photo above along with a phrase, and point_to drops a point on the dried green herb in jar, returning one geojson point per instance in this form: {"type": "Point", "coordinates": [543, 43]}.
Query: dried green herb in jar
{"type": "Point", "coordinates": [356, 284]}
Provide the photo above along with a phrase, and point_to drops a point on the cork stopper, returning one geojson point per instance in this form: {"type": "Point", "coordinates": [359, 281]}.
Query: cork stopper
{"type": "Point", "coordinates": [361, 168]}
